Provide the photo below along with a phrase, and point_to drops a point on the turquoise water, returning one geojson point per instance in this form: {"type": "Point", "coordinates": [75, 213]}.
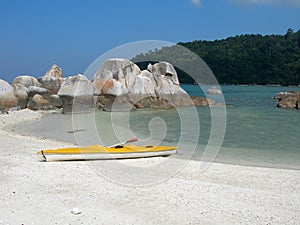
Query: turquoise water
{"type": "Point", "coordinates": [257, 132]}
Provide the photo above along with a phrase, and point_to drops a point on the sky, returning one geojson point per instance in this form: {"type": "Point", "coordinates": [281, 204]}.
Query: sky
{"type": "Point", "coordinates": [34, 34]}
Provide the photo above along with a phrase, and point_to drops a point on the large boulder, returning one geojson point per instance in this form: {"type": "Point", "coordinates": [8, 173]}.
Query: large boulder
{"type": "Point", "coordinates": [76, 94]}
{"type": "Point", "coordinates": [55, 101]}
{"type": "Point", "coordinates": [156, 87]}
{"type": "Point", "coordinates": [164, 70]}
{"type": "Point", "coordinates": [21, 95]}
{"type": "Point", "coordinates": [50, 83]}
{"type": "Point", "coordinates": [7, 97]}
{"type": "Point", "coordinates": [52, 79]}
{"type": "Point", "coordinates": [143, 87]}
{"type": "Point", "coordinates": [26, 81]}
{"type": "Point", "coordinates": [168, 84]}
{"type": "Point", "coordinates": [37, 102]}
{"type": "Point", "coordinates": [33, 90]}
{"type": "Point", "coordinates": [54, 71]}
{"type": "Point", "coordinates": [38, 98]}
{"type": "Point", "coordinates": [115, 77]}
{"type": "Point", "coordinates": [21, 85]}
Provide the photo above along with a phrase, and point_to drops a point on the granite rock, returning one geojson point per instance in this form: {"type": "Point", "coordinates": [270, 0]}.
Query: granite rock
{"type": "Point", "coordinates": [76, 94]}
{"type": "Point", "coordinates": [7, 97]}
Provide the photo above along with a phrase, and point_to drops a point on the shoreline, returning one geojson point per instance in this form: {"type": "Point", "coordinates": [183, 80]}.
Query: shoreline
{"type": "Point", "coordinates": [34, 192]}
{"type": "Point", "coordinates": [227, 155]}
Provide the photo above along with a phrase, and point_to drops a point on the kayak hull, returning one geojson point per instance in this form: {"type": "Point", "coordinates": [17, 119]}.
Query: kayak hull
{"type": "Point", "coordinates": [98, 152]}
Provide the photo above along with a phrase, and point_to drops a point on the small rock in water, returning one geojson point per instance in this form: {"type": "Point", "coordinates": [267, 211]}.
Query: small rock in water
{"type": "Point", "coordinates": [76, 211]}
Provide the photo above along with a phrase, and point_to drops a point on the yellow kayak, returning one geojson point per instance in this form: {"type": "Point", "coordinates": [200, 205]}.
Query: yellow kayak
{"type": "Point", "coordinates": [95, 152]}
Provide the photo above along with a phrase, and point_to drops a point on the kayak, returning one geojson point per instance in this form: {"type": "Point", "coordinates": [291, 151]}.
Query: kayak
{"type": "Point", "coordinates": [95, 152]}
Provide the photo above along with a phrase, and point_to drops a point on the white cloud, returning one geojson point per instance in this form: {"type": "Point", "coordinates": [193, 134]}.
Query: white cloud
{"type": "Point", "coordinates": [256, 2]}
{"type": "Point", "coordinates": [196, 2]}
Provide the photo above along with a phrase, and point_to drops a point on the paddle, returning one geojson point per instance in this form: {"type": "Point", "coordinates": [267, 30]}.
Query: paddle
{"type": "Point", "coordinates": [124, 142]}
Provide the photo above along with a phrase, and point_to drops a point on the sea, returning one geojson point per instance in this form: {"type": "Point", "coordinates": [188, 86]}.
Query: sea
{"type": "Point", "coordinates": [250, 130]}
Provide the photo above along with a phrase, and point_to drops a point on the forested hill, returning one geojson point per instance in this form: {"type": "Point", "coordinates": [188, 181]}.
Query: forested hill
{"type": "Point", "coordinates": [251, 59]}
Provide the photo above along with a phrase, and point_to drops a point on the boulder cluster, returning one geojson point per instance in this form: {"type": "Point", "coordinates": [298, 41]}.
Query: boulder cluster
{"type": "Point", "coordinates": [289, 99]}
{"type": "Point", "coordinates": [118, 85]}
{"type": "Point", "coordinates": [29, 92]}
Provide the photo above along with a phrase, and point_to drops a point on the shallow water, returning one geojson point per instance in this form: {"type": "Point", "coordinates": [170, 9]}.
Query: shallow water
{"type": "Point", "coordinates": [257, 132]}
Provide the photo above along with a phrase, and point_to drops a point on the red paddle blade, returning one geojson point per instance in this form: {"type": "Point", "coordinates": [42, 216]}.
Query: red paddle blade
{"type": "Point", "coordinates": [132, 140]}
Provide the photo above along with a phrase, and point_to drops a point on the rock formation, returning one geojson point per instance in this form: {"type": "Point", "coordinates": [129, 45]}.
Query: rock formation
{"type": "Point", "coordinates": [39, 93]}
{"type": "Point", "coordinates": [76, 94]}
{"type": "Point", "coordinates": [288, 99]}
{"type": "Point", "coordinates": [121, 82]}
{"type": "Point", "coordinates": [118, 85]}
{"type": "Point", "coordinates": [115, 77]}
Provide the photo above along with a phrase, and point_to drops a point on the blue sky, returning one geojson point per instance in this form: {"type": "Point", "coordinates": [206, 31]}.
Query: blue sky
{"type": "Point", "coordinates": [34, 34]}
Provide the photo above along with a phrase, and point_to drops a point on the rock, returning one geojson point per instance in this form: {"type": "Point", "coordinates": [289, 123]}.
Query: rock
{"type": "Point", "coordinates": [26, 81]}
{"type": "Point", "coordinates": [181, 98]}
{"type": "Point", "coordinates": [52, 79]}
{"type": "Point", "coordinates": [76, 211]}
{"type": "Point", "coordinates": [160, 103]}
{"type": "Point", "coordinates": [148, 88]}
{"type": "Point", "coordinates": [37, 102]}
{"type": "Point", "coordinates": [33, 90]}
{"type": "Point", "coordinates": [76, 94]}
{"type": "Point", "coordinates": [201, 101]}
{"type": "Point", "coordinates": [115, 77]}
{"type": "Point", "coordinates": [288, 102]}
{"type": "Point", "coordinates": [55, 72]}
{"type": "Point", "coordinates": [288, 99]}
{"type": "Point", "coordinates": [143, 87]}
{"type": "Point", "coordinates": [55, 101]}
{"type": "Point", "coordinates": [103, 100]}
{"type": "Point", "coordinates": [168, 85]}
{"type": "Point", "coordinates": [164, 69]}
{"type": "Point", "coordinates": [280, 95]}
{"type": "Point", "coordinates": [50, 83]}
{"type": "Point", "coordinates": [21, 95]}
{"type": "Point", "coordinates": [7, 97]}
{"type": "Point", "coordinates": [21, 85]}
{"type": "Point", "coordinates": [111, 103]}
{"type": "Point", "coordinates": [214, 91]}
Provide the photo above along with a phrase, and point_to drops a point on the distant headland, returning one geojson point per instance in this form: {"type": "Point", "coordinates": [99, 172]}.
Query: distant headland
{"type": "Point", "coordinates": [244, 59]}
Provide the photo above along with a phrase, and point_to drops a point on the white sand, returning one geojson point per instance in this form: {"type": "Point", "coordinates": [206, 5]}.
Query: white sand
{"type": "Point", "coordinates": [34, 192]}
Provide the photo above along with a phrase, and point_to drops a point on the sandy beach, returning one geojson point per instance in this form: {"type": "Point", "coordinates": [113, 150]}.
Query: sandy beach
{"type": "Point", "coordinates": [34, 192]}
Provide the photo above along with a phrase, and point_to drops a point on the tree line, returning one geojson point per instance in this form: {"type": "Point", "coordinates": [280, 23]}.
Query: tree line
{"type": "Point", "coordinates": [243, 59]}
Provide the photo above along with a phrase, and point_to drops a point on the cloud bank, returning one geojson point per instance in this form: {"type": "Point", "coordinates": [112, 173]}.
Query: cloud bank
{"type": "Point", "coordinates": [256, 2]}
